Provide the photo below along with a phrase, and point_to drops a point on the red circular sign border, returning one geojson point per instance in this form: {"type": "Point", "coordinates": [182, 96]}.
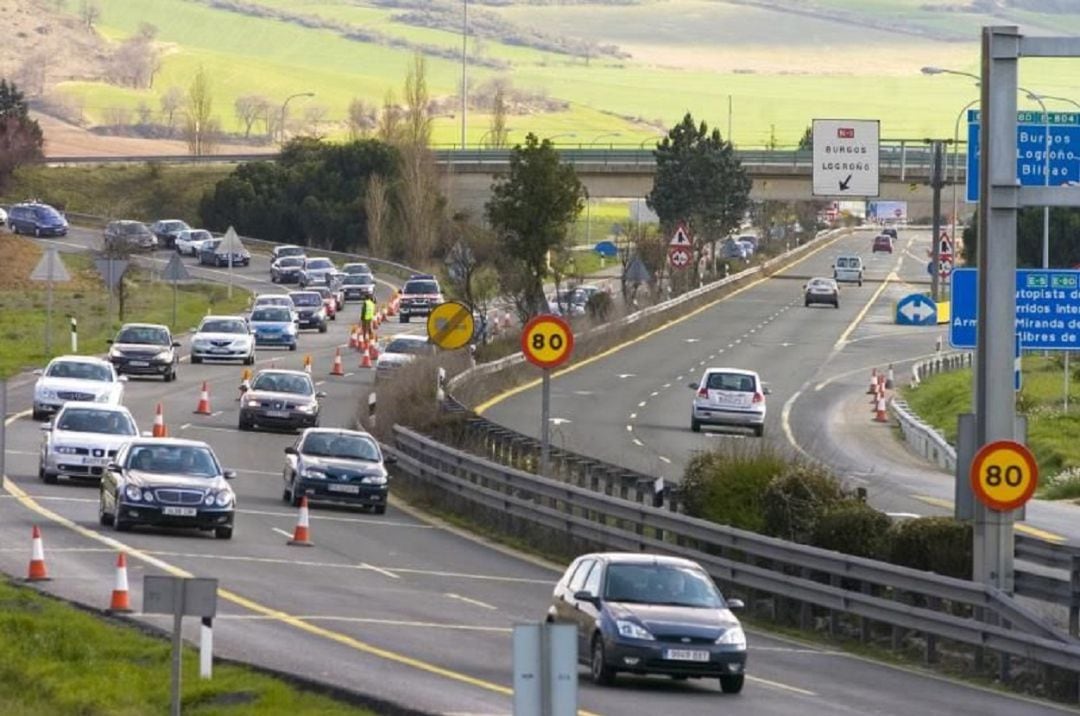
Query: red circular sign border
{"type": "Point", "coordinates": [976, 468]}
{"type": "Point", "coordinates": [547, 318]}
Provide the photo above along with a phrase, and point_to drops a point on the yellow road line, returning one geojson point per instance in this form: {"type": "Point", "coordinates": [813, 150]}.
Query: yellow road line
{"type": "Point", "coordinates": [644, 336]}
{"type": "Point", "coordinates": [862, 314]}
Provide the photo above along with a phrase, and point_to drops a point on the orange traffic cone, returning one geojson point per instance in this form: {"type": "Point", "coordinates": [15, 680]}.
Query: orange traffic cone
{"type": "Point", "coordinates": [873, 382]}
{"type": "Point", "coordinates": [203, 408]}
{"type": "Point", "coordinates": [337, 369]}
{"type": "Point", "coordinates": [121, 601]}
{"type": "Point", "coordinates": [353, 341]}
{"type": "Point", "coordinates": [245, 383]}
{"type": "Point", "coordinates": [365, 358]}
{"type": "Point", "coordinates": [361, 343]}
{"type": "Point", "coordinates": [302, 534]}
{"type": "Point", "coordinates": [879, 415]}
{"type": "Point", "coordinates": [373, 349]}
{"type": "Point", "coordinates": [307, 364]}
{"type": "Point", "coordinates": [159, 424]}
{"type": "Point", "coordinates": [37, 571]}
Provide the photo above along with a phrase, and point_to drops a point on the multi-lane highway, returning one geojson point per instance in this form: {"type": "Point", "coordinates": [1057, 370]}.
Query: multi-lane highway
{"type": "Point", "coordinates": [412, 611]}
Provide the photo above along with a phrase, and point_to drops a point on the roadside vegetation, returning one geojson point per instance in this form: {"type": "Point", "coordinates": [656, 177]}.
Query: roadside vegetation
{"type": "Point", "coordinates": [70, 661]}
{"type": "Point", "coordinates": [23, 305]}
{"type": "Point", "coordinates": [1051, 430]}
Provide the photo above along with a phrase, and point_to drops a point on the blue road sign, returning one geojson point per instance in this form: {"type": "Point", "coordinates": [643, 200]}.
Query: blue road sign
{"type": "Point", "coordinates": [1031, 149]}
{"type": "Point", "coordinates": [916, 310]}
{"type": "Point", "coordinates": [1047, 309]}
{"type": "Point", "coordinates": [606, 248]}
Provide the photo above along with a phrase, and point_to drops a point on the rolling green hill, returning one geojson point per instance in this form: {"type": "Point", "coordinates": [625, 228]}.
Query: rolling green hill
{"type": "Point", "coordinates": [621, 70]}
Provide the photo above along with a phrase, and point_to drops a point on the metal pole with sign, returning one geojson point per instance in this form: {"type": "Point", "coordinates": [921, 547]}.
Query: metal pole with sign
{"type": "Point", "coordinates": [545, 670]}
{"type": "Point", "coordinates": [180, 596]}
{"type": "Point", "coordinates": [175, 272]}
{"type": "Point", "coordinates": [937, 182]}
{"type": "Point", "coordinates": [547, 343]}
{"type": "Point", "coordinates": [50, 269]}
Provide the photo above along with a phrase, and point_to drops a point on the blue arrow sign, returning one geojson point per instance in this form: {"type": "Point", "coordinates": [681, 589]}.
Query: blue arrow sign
{"type": "Point", "coordinates": [1031, 149]}
{"type": "Point", "coordinates": [606, 248]}
{"type": "Point", "coordinates": [1047, 309]}
{"type": "Point", "coordinates": [916, 310]}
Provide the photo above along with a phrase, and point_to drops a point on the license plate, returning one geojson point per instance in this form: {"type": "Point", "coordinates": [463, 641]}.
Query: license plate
{"type": "Point", "coordinates": [277, 413]}
{"type": "Point", "coordinates": [139, 363]}
{"type": "Point", "coordinates": [219, 350]}
{"type": "Point", "coordinates": [351, 489]}
{"type": "Point", "coordinates": [179, 511]}
{"type": "Point", "coordinates": [686, 655]}
{"type": "Point", "coordinates": [97, 461]}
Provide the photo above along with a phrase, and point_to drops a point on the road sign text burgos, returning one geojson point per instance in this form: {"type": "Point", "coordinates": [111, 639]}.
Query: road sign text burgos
{"type": "Point", "coordinates": [846, 157]}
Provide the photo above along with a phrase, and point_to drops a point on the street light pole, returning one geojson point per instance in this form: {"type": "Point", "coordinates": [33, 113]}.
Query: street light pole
{"type": "Point", "coordinates": [290, 98]}
{"type": "Point", "coordinates": [464, 73]}
{"type": "Point", "coordinates": [956, 167]}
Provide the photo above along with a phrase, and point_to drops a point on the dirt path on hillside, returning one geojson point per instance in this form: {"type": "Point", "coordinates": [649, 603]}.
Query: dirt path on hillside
{"type": "Point", "coordinates": [67, 140]}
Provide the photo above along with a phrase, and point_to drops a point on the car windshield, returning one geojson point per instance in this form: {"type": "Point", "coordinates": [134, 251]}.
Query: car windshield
{"type": "Point", "coordinates": [821, 283]}
{"type": "Point", "coordinates": [273, 314]}
{"type": "Point", "coordinates": [290, 262]}
{"type": "Point", "coordinates": [80, 371]}
{"type": "Point", "coordinates": [189, 460]}
{"type": "Point", "coordinates": [352, 447]}
{"type": "Point", "coordinates": [144, 335]}
{"type": "Point", "coordinates": [358, 279]}
{"type": "Point", "coordinates": [356, 268]}
{"type": "Point", "coordinates": [421, 287]}
{"type": "Point", "coordinates": [289, 251]}
{"type": "Point", "coordinates": [229, 326]}
{"type": "Point", "coordinates": [274, 301]}
{"type": "Point", "coordinates": [133, 229]}
{"type": "Point", "coordinates": [47, 212]}
{"type": "Point", "coordinates": [413, 347]}
{"type": "Point", "coordinates": [173, 226]}
{"type": "Point", "coordinates": [306, 299]}
{"type": "Point", "coordinates": [661, 584]}
{"type": "Point", "coordinates": [731, 381]}
{"type": "Point", "coordinates": [95, 420]}
{"type": "Point", "coordinates": [320, 264]}
{"type": "Point", "coordinates": [283, 383]}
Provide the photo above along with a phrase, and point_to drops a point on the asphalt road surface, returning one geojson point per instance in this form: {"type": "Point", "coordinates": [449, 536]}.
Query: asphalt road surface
{"type": "Point", "coordinates": [410, 610]}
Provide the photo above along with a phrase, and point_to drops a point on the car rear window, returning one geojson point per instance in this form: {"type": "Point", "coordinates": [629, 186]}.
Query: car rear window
{"type": "Point", "coordinates": [731, 381]}
{"type": "Point", "coordinates": [421, 287]}
{"type": "Point", "coordinates": [271, 314]}
{"type": "Point", "coordinates": [306, 299]}
{"type": "Point", "coordinates": [290, 261]}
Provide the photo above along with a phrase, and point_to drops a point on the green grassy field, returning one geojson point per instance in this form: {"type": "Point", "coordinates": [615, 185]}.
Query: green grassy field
{"type": "Point", "coordinates": [777, 70]}
{"type": "Point", "coordinates": [1051, 431]}
{"type": "Point", "coordinates": [24, 316]}
{"type": "Point", "coordinates": [66, 661]}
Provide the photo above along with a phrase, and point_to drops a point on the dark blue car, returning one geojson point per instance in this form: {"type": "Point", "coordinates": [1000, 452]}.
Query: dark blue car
{"type": "Point", "coordinates": [37, 219]}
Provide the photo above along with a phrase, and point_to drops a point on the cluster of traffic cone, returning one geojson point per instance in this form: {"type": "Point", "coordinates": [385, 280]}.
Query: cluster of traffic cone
{"type": "Point", "coordinates": [878, 401]}
{"type": "Point", "coordinates": [302, 534]}
{"type": "Point", "coordinates": [365, 355]}
{"type": "Point", "coordinates": [354, 337]}
{"type": "Point", "coordinates": [159, 431]}
{"type": "Point", "coordinates": [203, 408]}
{"type": "Point", "coordinates": [392, 306]}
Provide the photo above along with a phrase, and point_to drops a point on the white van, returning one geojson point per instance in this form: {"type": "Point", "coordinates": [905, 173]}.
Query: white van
{"type": "Point", "coordinates": [848, 267]}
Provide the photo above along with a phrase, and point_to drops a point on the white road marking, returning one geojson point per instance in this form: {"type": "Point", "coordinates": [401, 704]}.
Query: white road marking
{"type": "Point", "coordinates": [664, 460]}
{"type": "Point", "coordinates": [778, 685]}
{"type": "Point", "coordinates": [559, 421]}
{"type": "Point", "coordinates": [212, 428]}
{"type": "Point", "coordinates": [380, 570]}
{"type": "Point", "coordinates": [693, 340]}
{"type": "Point", "coordinates": [217, 413]}
{"type": "Point", "coordinates": [282, 532]}
{"type": "Point", "coordinates": [667, 385]}
{"type": "Point", "coordinates": [185, 426]}
{"type": "Point", "coordinates": [626, 375]}
{"type": "Point", "coordinates": [633, 416]}
{"type": "Point", "coordinates": [638, 443]}
{"type": "Point", "coordinates": [23, 452]}
{"type": "Point", "coordinates": [678, 377]}
{"type": "Point", "coordinates": [474, 602]}
{"type": "Point", "coordinates": [319, 517]}
{"type": "Point", "coordinates": [654, 393]}
{"type": "Point", "coordinates": [643, 403]}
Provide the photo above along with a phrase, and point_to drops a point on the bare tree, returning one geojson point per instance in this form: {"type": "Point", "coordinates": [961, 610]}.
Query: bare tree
{"type": "Point", "coordinates": [377, 208]}
{"type": "Point", "coordinates": [417, 101]}
{"type": "Point", "coordinates": [142, 112]}
{"type": "Point", "coordinates": [389, 127]}
{"type": "Point", "coordinates": [250, 108]}
{"type": "Point", "coordinates": [313, 115]}
{"type": "Point", "coordinates": [362, 118]}
{"type": "Point", "coordinates": [171, 102]}
{"type": "Point", "coordinates": [33, 72]}
{"type": "Point", "coordinates": [89, 13]}
{"type": "Point", "coordinates": [498, 133]}
{"type": "Point", "coordinates": [419, 202]}
{"type": "Point", "coordinates": [200, 126]}
{"type": "Point", "coordinates": [137, 60]}
{"type": "Point", "coordinates": [271, 124]}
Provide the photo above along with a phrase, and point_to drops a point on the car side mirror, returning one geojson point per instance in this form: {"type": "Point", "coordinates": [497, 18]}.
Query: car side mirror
{"type": "Point", "coordinates": [113, 467]}
{"type": "Point", "coordinates": [585, 596]}
{"type": "Point", "coordinates": [122, 378]}
{"type": "Point", "coordinates": [229, 474]}
{"type": "Point", "coordinates": [109, 341]}
{"type": "Point", "coordinates": [735, 604]}
{"type": "Point", "coordinates": [46, 427]}
{"type": "Point", "coordinates": [176, 344]}
{"type": "Point", "coordinates": [390, 459]}
{"type": "Point", "coordinates": [291, 450]}
{"type": "Point", "coordinates": [321, 394]}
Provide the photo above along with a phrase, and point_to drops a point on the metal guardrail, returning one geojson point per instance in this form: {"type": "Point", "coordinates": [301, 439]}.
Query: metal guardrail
{"type": "Point", "coordinates": [924, 439]}
{"type": "Point", "coordinates": [902, 598]}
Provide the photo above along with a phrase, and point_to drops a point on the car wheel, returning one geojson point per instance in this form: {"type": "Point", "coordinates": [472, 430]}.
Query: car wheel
{"type": "Point", "coordinates": [118, 524]}
{"type": "Point", "coordinates": [322, 328]}
{"type": "Point", "coordinates": [243, 424]}
{"type": "Point", "coordinates": [759, 431]}
{"type": "Point", "coordinates": [860, 282]}
{"type": "Point", "coordinates": [294, 498]}
{"type": "Point", "coordinates": [223, 532]}
{"type": "Point", "coordinates": [806, 304]}
{"type": "Point", "coordinates": [404, 318]}
{"type": "Point", "coordinates": [333, 317]}
{"type": "Point", "coordinates": [104, 518]}
{"type": "Point", "coordinates": [695, 425]}
{"type": "Point", "coordinates": [49, 478]}
{"type": "Point", "coordinates": [836, 304]}
{"type": "Point", "coordinates": [379, 509]}
{"type": "Point", "coordinates": [195, 360]}
{"type": "Point", "coordinates": [601, 673]}
{"type": "Point", "coordinates": [273, 278]}
{"type": "Point", "coordinates": [732, 684]}
{"type": "Point", "coordinates": [292, 347]}
{"type": "Point", "coordinates": [39, 415]}
{"type": "Point", "coordinates": [250, 360]}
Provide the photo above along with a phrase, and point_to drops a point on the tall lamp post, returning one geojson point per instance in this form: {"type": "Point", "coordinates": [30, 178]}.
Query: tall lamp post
{"type": "Point", "coordinates": [285, 104]}
{"type": "Point", "coordinates": [553, 137]}
{"type": "Point", "coordinates": [464, 72]}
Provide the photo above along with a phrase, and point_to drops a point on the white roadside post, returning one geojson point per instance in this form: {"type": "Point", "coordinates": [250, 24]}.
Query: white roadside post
{"type": "Point", "coordinates": [74, 335]}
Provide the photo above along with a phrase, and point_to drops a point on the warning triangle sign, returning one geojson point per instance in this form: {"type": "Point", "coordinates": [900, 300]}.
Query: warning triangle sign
{"type": "Point", "coordinates": [945, 246]}
{"type": "Point", "coordinates": [50, 268]}
{"type": "Point", "coordinates": [175, 270]}
{"type": "Point", "coordinates": [681, 237]}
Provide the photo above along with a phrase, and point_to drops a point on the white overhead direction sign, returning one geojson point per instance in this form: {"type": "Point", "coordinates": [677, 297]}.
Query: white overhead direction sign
{"type": "Point", "coordinates": [846, 153]}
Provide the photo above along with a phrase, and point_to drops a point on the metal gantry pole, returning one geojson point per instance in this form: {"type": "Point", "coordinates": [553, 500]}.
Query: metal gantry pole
{"type": "Point", "coordinates": [995, 403]}
{"type": "Point", "coordinates": [937, 182]}
{"type": "Point", "coordinates": [545, 419]}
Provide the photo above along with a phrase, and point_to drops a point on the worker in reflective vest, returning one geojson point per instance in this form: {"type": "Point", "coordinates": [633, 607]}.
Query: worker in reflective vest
{"type": "Point", "coordinates": [367, 315]}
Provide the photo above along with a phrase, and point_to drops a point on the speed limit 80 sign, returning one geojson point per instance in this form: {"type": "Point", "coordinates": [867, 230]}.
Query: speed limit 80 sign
{"type": "Point", "coordinates": [547, 341]}
{"type": "Point", "coordinates": [1004, 475]}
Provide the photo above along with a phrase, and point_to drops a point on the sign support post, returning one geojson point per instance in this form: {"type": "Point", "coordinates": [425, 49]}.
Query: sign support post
{"type": "Point", "coordinates": [50, 269]}
{"type": "Point", "coordinates": [937, 182]}
{"type": "Point", "coordinates": [546, 342]}
{"type": "Point", "coordinates": [545, 422]}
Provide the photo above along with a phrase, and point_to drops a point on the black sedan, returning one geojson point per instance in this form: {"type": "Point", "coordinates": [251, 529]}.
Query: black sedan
{"type": "Point", "coordinates": [170, 483]}
{"type": "Point", "coordinates": [212, 254]}
{"type": "Point", "coordinates": [280, 399]}
{"type": "Point", "coordinates": [332, 465]}
{"type": "Point", "coordinates": [650, 614]}
{"type": "Point", "coordinates": [286, 269]}
{"type": "Point", "coordinates": [310, 310]}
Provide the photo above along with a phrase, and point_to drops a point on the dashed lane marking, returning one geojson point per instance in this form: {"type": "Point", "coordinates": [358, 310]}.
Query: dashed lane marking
{"type": "Point", "coordinates": [474, 602]}
{"type": "Point", "coordinates": [282, 532]}
{"type": "Point", "coordinates": [638, 443]}
{"type": "Point", "coordinates": [664, 460]}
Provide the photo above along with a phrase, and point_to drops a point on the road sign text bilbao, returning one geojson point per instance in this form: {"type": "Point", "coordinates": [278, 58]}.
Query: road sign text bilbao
{"type": "Point", "coordinates": [1047, 309]}
{"type": "Point", "coordinates": [1031, 149]}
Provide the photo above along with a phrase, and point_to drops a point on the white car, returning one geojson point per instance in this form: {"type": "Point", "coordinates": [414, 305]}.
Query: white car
{"type": "Point", "coordinates": [3, 217]}
{"type": "Point", "coordinates": [274, 299]}
{"type": "Point", "coordinates": [401, 350]}
{"type": "Point", "coordinates": [82, 438]}
{"type": "Point", "coordinates": [191, 241]}
{"type": "Point", "coordinates": [76, 378]}
{"type": "Point", "coordinates": [223, 338]}
{"type": "Point", "coordinates": [318, 271]}
{"type": "Point", "coordinates": [731, 397]}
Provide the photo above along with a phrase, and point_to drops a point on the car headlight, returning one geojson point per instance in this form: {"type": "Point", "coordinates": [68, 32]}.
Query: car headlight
{"type": "Point", "coordinates": [46, 394]}
{"type": "Point", "coordinates": [734, 636]}
{"type": "Point", "coordinates": [253, 403]}
{"type": "Point", "coordinates": [200, 343]}
{"type": "Point", "coordinates": [223, 499]}
{"type": "Point", "coordinates": [65, 450]}
{"type": "Point", "coordinates": [303, 408]}
{"type": "Point", "coordinates": [240, 343]}
{"type": "Point", "coordinates": [313, 474]}
{"type": "Point", "coordinates": [133, 493]}
{"type": "Point", "coordinates": [114, 353]}
{"type": "Point", "coordinates": [163, 355]}
{"type": "Point", "coordinates": [632, 630]}
{"type": "Point", "coordinates": [103, 398]}
{"type": "Point", "coordinates": [374, 480]}
{"type": "Point", "coordinates": [209, 499]}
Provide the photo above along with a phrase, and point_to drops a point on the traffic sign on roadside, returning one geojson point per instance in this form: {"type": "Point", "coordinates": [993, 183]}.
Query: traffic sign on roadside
{"type": "Point", "coordinates": [916, 310]}
{"type": "Point", "coordinates": [1047, 309]}
{"type": "Point", "coordinates": [1004, 475]}
{"type": "Point", "coordinates": [846, 157]}
{"type": "Point", "coordinates": [680, 248]}
{"type": "Point", "coordinates": [50, 268]}
{"type": "Point", "coordinates": [547, 341]}
{"type": "Point", "coordinates": [1031, 149]}
{"type": "Point", "coordinates": [450, 325]}
{"type": "Point", "coordinates": [175, 270]}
